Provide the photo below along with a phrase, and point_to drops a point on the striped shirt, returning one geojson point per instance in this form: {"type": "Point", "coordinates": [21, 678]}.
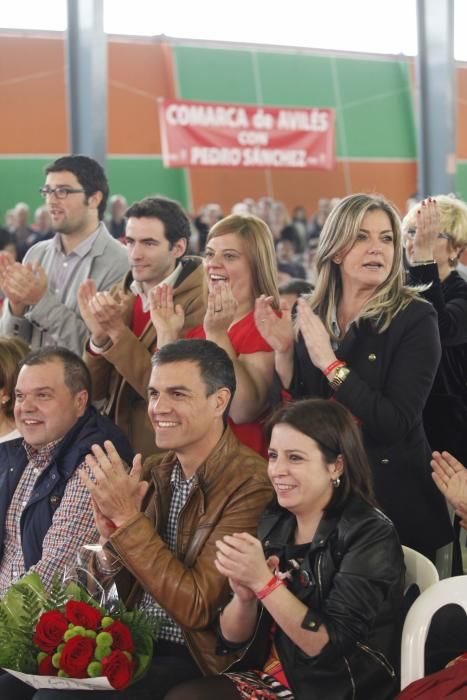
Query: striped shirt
{"type": "Point", "coordinates": [72, 523]}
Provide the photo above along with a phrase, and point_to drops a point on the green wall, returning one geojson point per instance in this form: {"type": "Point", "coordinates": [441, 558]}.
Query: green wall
{"type": "Point", "coordinates": [134, 177]}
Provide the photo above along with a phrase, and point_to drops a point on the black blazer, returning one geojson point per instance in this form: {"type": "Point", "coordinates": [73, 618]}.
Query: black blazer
{"type": "Point", "coordinates": [386, 390]}
{"type": "Point", "coordinates": [445, 414]}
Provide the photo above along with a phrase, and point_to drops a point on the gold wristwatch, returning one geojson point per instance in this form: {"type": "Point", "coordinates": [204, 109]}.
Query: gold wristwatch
{"type": "Point", "coordinates": [340, 376]}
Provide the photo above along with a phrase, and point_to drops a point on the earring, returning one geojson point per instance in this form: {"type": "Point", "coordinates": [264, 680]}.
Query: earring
{"type": "Point", "coordinates": [5, 400]}
{"type": "Point", "coordinates": [453, 261]}
{"type": "Point", "coordinates": [336, 482]}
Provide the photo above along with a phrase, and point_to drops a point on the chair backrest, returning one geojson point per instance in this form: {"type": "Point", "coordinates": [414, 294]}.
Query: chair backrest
{"type": "Point", "coordinates": [417, 623]}
{"type": "Point", "coordinates": [419, 569]}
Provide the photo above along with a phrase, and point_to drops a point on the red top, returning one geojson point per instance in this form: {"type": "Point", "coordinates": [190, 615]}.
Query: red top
{"type": "Point", "coordinates": [245, 339]}
{"type": "Point", "coordinates": [139, 318]}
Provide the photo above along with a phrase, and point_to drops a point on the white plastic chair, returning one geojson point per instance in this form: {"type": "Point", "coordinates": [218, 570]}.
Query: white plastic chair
{"type": "Point", "coordinates": [419, 569]}
{"type": "Point", "coordinates": [417, 622]}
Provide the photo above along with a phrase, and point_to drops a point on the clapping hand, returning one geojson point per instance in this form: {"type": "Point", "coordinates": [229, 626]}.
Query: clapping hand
{"type": "Point", "coordinates": [450, 476]}
{"type": "Point", "coordinates": [315, 335]}
{"type": "Point", "coordinates": [167, 319]}
{"type": "Point", "coordinates": [23, 284]}
{"type": "Point", "coordinates": [240, 557]}
{"type": "Point", "coordinates": [276, 330]}
{"type": "Point", "coordinates": [221, 309]}
{"type": "Point", "coordinates": [117, 495]}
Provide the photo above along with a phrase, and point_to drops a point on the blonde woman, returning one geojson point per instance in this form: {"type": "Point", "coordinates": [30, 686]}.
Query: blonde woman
{"type": "Point", "coordinates": [12, 351]}
{"type": "Point", "coordinates": [240, 265]}
{"type": "Point", "coordinates": [366, 340]}
{"type": "Point", "coordinates": [435, 234]}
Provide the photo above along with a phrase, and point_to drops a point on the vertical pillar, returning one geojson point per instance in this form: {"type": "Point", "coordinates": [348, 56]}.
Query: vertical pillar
{"type": "Point", "coordinates": [436, 97]}
{"type": "Point", "coordinates": [86, 48]}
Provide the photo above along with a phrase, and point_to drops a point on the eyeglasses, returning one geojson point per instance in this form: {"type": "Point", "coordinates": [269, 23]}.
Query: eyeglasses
{"type": "Point", "coordinates": [410, 233]}
{"type": "Point", "coordinates": [60, 192]}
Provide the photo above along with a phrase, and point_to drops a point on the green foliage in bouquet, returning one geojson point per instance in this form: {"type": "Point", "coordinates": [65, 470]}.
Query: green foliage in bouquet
{"type": "Point", "coordinates": [39, 630]}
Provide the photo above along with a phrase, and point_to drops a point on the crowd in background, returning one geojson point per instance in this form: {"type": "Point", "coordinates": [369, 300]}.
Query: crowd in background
{"type": "Point", "coordinates": [351, 303]}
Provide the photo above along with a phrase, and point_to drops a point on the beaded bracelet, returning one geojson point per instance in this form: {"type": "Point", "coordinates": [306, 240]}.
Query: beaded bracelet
{"type": "Point", "coordinates": [333, 365]}
{"type": "Point", "coordinates": [271, 586]}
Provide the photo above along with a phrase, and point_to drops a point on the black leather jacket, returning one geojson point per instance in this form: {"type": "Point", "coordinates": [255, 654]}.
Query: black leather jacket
{"type": "Point", "coordinates": [351, 579]}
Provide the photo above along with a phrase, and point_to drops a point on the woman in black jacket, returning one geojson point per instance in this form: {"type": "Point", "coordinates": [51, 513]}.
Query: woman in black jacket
{"type": "Point", "coordinates": [368, 341]}
{"type": "Point", "coordinates": [316, 598]}
{"type": "Point", "coordinates": [435, 233]}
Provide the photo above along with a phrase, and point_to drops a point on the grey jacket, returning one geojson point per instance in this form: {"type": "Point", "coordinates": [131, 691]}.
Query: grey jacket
{"type": "Point", "coordinates": [106, 263]}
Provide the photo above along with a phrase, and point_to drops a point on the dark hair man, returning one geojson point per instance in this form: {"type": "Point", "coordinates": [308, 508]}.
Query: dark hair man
{"type": "Point", "coordinates": [208, 486]}
{"type": "Point", "coordinates": [44, 507]}
{"type": "Point", "coordinates": [122, 335]}
{"type": "Point", "coordinates": [42, 292]}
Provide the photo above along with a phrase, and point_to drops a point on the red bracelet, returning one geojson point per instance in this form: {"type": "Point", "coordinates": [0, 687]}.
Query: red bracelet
{"type": "Point", "coordinates": [333, 365]}
{"type": "Point", "coordinates": [271, 586]}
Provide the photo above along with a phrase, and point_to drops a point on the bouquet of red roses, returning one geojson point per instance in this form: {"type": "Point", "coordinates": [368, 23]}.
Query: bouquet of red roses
{"type": "Point", "coordinates": [66, 635]}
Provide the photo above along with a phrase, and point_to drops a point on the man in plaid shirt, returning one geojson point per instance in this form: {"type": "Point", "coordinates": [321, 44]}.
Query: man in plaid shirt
{"type": "Point", "coordinates": [159, 536]}
{"type": "Point", "coordinates": [45, 510]}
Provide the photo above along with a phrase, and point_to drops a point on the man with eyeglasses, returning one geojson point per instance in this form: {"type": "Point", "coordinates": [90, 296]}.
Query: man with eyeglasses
{"type": "Point", "coordinates": [42, 292]}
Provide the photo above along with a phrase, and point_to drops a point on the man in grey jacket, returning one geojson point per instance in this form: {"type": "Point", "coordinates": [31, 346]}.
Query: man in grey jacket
{"type": "Point", "coordinates": [41, 293]}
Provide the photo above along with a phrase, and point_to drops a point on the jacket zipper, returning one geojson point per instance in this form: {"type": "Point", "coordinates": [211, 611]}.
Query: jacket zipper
{"type": "Point", "coordinates": [249, 643]}
{"type": "Point", "coordinates": [379, 657]}
{"type": "Point", "coordinates": [351, 677]}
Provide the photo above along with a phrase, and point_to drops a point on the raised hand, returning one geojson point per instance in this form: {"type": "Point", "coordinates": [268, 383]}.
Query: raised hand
{"type": "Point", "coordinates": [315, 335]}
{"type": "Point", "coordinates": [276, 330]}
{"type": "Point", "coordinates": [86, 292]}
{"type": "Point", "coordinates": [450, 476]}
{"type": "Point", "coordinates": [23, 284]}
{"type": "Point", "coordinates": [108, 313]}
{"type": "Point", "coordinates": [221, 309]}
{"type": "Point", "coordinates": [240, 557]}
{"type": "Point", "coordinates": [118, 494]}
{"type": "Point", "coordinates": [428, 228]}
{"type": "Point", "coordinates": [167, 319]}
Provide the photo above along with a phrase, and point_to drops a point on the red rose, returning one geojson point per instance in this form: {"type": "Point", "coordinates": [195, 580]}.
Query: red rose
{"type": "Point", "coordinates": [46, 668]}
{"type": "Point", "coordinates": [76, 656]}
{"type": "Point", "coordinates": [83, 614]}
{"type": "Point", "coordinates": [121, 636]}
{"type": "Point", "coordinates": [50, 629]}
{"type": "Point", "coordinates": [118, 669]}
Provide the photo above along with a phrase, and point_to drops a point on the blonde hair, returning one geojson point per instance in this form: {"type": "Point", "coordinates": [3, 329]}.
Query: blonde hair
{"type": "Point", "coordinates": [338, 236]}
{"type": "Point", "coordinates": [12, 352]}
{"type": "Point", "coordinates": [453, 219]}
{"type": "Point", "coordinates": [259, 248]}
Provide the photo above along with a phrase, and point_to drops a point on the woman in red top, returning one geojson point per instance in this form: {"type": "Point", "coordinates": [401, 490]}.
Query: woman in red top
{"type": "Point", "coordinates": [240, 265]}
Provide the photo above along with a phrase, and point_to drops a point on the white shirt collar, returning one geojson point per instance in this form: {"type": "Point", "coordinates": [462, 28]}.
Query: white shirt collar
{"type": "Point", "coordinates": [171, 279]}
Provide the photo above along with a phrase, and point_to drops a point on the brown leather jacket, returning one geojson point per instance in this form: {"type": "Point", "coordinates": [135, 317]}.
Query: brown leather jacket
{"type": "Point", "coordinates": [230, 493]}
{"type": "Point", "coordinates": [120, 375]}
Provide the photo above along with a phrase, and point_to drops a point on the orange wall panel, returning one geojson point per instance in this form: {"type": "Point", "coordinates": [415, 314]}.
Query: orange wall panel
{"type": "Point", "coordinates": [396, 180]}
{"type": "Point", "coordinates": [139, 73]}
{"type": "Point", "coordinates": [32, 84]}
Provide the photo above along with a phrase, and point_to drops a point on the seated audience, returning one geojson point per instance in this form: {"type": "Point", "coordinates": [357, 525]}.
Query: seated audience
{"type": "Point", "coordinates": [326, 623]}
{"type": "Point", "coordinates": [292, 290]}
{"type": "Point", "coordinates": [122, 336]}
{"type": "Point", "coordinates": [240, 265]}
{"type": "Point", "coordinates": [12, 352]}
{"type": "Point", "coordinates": [435, 234]}
{"type": "Point", "coordinates": [42, 292]}
{"type": "Point", "coordinates": [367, 340]}
{"type": "Point", "coordinates": [206, 487]}
{"type": "Point", "coordinates": [287, 265]}
{"type": "Point", "coordinates": [45, 510]}
{"type": "Point", "coordinates": [23, 232]}
{"type": "Point", "coordinates": [116, 222]}
{"type": "Point", "coordinates": [208, 215]}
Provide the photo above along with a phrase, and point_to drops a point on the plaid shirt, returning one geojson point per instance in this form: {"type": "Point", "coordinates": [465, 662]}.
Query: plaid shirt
{"type": "Point", "coordinates": [180, 491]}
{"type": "Point", "coordinates": [72, 523]}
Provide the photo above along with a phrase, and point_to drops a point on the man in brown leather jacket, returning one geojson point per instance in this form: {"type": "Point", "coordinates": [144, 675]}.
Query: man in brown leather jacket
{"type": "Point", "coordinates": [123, 338]}
{"type": "Point", "coordinates": [207, 486]}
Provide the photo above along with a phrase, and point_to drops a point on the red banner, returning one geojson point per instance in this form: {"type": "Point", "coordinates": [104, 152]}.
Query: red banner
{"type": "Point", "coordinates": [201, 134]}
